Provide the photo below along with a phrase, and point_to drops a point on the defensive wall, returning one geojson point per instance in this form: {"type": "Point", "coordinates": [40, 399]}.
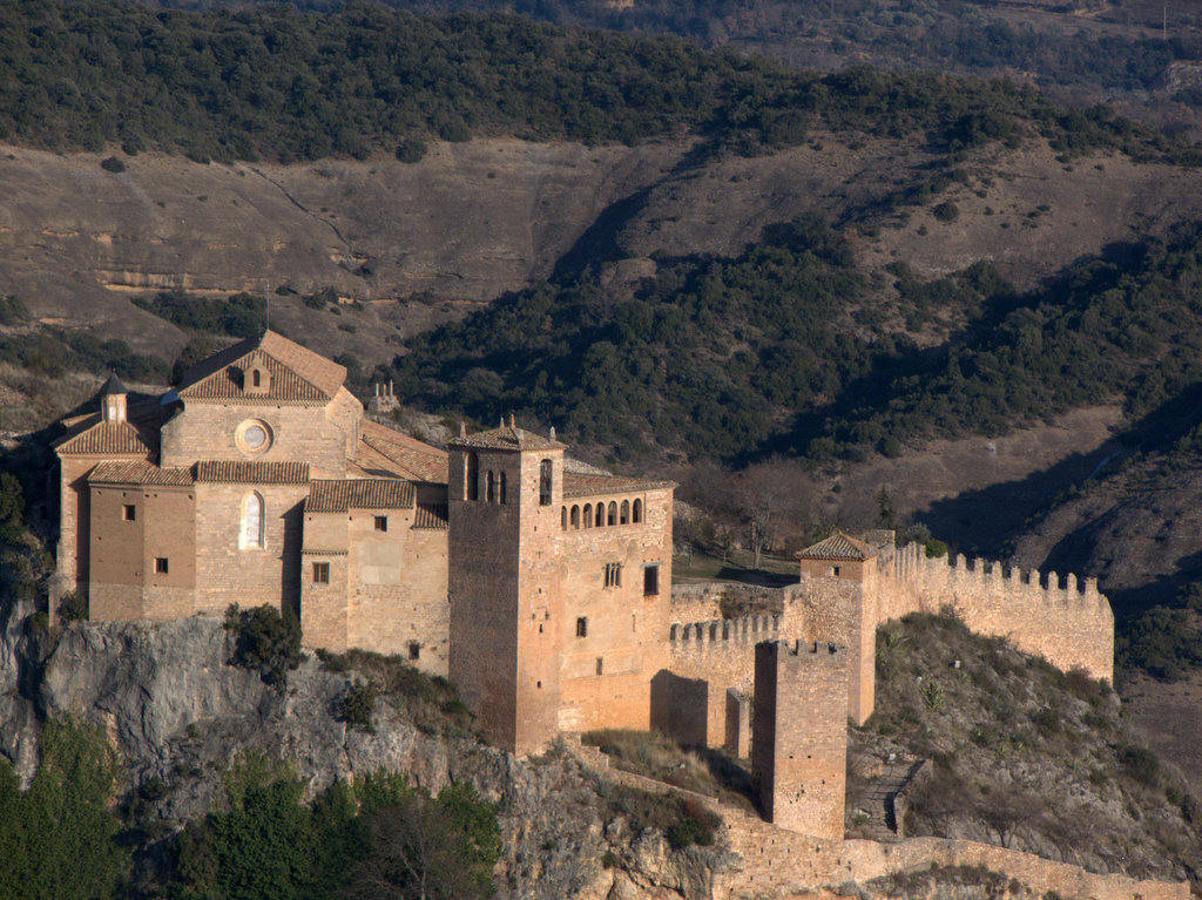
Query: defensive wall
{"type": "Point", "coordinates": [777, 862]}
{"type": "Point", "coordinates": [1067, 621]}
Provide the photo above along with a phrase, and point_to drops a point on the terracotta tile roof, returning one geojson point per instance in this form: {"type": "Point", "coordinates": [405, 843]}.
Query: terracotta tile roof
{"type": "Point", "coordinates": [298, 375]}
{"type": "Point", "coordinates": [239, 472]}
{"type": "Point", "coordinates": [507, 437]}
{"type": "Point", "coordinates": [108, 439]}
{"type": "Point", "coordinates": [139, 473]}
{"type": "Point", "coordinates": [387, 449]}
{"type": "Point", "coordinates": [338, 496]}
{"type": "Point", "coordinates": [431, 515]}
{"type": "Point", "coordinates": [577, 484]}
{"type": "Point", "coordinates": [838, 546]}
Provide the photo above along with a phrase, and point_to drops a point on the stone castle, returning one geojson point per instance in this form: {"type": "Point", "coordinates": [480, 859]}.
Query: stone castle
{"type": "Point", "coordinates": [540, 587]}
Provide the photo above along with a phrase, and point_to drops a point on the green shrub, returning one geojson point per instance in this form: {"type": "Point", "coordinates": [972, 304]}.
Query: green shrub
{"type": "Point", "coordinates": [72, 607]}
{"type": "Point", "coordinates": [1140, 763]}
{"type": "Point", "coordinates": [12, 311]}
{"type": "Point", "coordinates": [947, 211]}
{"type": "Point", "coordinates": [265, 641]}
{"type": "Point", "coordinates": [411, 150]}
{"type": "Point", "coordinates": [935, 549]}
{"type": "Point", "coordinates": [357, 705]}
{"type": "Point", "coordinates": [112, 164]}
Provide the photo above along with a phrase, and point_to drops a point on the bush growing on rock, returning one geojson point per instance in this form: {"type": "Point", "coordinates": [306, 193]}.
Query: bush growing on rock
{"type": "Point", "coordinates": [357, 705]}
{"type": "Point", "coordinates": [265, 641]}
{"type": "Point", "coordinates": [72, 607]}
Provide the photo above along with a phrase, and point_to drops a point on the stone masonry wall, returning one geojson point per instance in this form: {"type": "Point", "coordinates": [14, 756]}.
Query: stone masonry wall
{"type": "Point", "coordinates": [799, 736]}
{"type": "Point", "coordinates": [605, 680]}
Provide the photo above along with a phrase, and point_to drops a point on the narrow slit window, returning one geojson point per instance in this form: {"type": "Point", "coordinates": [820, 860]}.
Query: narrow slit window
{"type": "Point", "coordinates": [582, 627]}
{"type": "Point", "coordinates": [415, 651]}
{"type": "Point", "coordinates": [600, 665]}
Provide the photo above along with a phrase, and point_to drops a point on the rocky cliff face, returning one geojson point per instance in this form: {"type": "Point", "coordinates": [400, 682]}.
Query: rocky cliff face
{"type": "Point", "coordinates": [179, 713]}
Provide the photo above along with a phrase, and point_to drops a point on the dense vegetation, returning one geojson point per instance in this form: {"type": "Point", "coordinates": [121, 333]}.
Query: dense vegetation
{"type": "Point", "coordinates": [273, 82]}
{"type": "Point", "coordinates": [59, 838]}
{"type": "Point", "coordinates": [723, 355]}
{"type": "Point", "coordinates": [1022, 754]}
{"type": "Point", "coordinates": [238, 315]}
{"type": "Point", "coordinates": [380, 837]}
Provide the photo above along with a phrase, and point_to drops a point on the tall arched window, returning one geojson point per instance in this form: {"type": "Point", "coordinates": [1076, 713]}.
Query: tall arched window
{"type": "Point", "coordinates": [613, 513]}
{"type": "Point", "coordinates": [544, 483]}
{"type": "Point", "coordinates": [625, 514]}
{"type": "Point", "coordinates": [637, 511]}
{"type": "Point", "coordinates": [502, 487]}
{"type": "Point", "coordinates": [563, 518]}
{"type": "Point", "coordinates": [575, 518]}
{"type": "Point", "coordinates": [490, 489]}
{"type": "Point", "coordinates": [254, 517]}
{"type": "Point", "coordinates": [588, 515]}
{"type": "Point", "coordinates": [473, 477]}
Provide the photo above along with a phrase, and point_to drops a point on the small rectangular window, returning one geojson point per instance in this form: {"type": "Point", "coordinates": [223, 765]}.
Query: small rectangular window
{"type": "Point", "coordinates": [651, 581]}
{"type": "Point", "coordinates": [129, 512]}
{"type": "Point", "coordinates": [613, 575]}
{"type": "Point", "coordinates": [415, 651]}
{"type": "Point", "coordinates": [160, 565]}
{"type": "Point", "coordinates": [381, 523]}
{"type": "Point", "coordinates": [582, 627]}
{"type": "Point", "coordinates": [321, 573]}
{"type": "Point", "coordinates": [834, 570]}
{"type": "Point", "coordinates": [600, 665]}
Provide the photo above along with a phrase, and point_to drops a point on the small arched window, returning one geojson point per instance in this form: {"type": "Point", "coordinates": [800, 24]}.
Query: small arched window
{"type": "Point", "coordinates": [490, 488]}
{"type": "Point", "coordinates": [637, 511]}
{"type": "Point", "coordinates": [563, 518]}
{"type": "Point", "coordinates": [502, 487]}
{"type": "Point", "coordinates": [256, 378]}
{"type": "Point", "coordinates": [251, 534]}
{"type": "Point", "coordinates": [575, 518]}
{"type": "Point", "coordinates": [625, 514]}
{"type": "Point", "coordinates": [613, 513]}
{"type": "Point", "coordinates": [473, 477]}
{"type": "Point", "coordinates": [588, 515]}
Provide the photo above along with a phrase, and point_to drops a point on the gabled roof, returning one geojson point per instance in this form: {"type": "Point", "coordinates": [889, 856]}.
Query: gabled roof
{"type": "Point", "coordinates": [577, 484]}
{"type": "Point", "coordinates": [386, 451]}
{"type": "Point", "coordinates": [101, 438]}
{"type": "Point", "coordinates": [237, 472]}
{"type": "Point", "coordinates": [139, 473]}
{"type": "Point", "coordinates": [298, 375]}
{"type": "Point", "coordinates": [506, 437]}
{"type": "Point", "coordinates": [342, 495]}
{"type": "Point", "coordinates": [838, 546]}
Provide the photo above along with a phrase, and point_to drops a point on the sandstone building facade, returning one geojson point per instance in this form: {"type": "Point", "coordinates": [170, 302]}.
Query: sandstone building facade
{"type": "Point", "coordinates": [539, 586]}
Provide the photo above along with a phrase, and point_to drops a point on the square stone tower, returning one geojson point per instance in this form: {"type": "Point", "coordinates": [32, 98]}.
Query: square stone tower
{"type": "Point", "coordinates": [505, 493]}
{"type": "Point", "coordinates": [799, 736]}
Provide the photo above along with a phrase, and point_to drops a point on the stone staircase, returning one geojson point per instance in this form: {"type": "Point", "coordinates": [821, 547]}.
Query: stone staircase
{"type": "Point", "coordinates": [880, 802]}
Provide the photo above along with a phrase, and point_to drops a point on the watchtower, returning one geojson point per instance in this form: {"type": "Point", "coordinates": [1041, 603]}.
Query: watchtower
{"type": "Point", "coordinates": [505, 491]}
{"type": "Point", "coordinates": [799, 736]}
{"type": "Point", "coordinates": [842, 574]}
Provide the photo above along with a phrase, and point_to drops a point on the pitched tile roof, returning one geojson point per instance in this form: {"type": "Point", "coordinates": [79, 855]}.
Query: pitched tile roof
{"type": "Point", "coordinates": [108, 439]}
{"type": "Point", "coordinates": [139, 473]}
{"type": "Point", "coordinates": [506, 437]}
{"type": "Point", "coordinates": [838, 546]}
{"type": "Point", "coordinates": [431, 516]}
{"type": "Point", "coordinates": [339, 496]}
{"type": "Point", "coordinates": [385, 449]}
{"type": "Point", "coordinates": [298, 375]}
{"type": "Point", "coordinates": [578, 484]}
{"type": "Point", "coordinates": [240, 472]}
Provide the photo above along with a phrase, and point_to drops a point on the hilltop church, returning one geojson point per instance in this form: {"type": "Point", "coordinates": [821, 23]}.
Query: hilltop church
{"type": "Point", "coordinates": [537, 585]}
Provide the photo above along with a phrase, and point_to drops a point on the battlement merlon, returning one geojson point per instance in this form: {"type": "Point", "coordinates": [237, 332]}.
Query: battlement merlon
{"type": "Point", "coordinates": [719, 633]}
{"type": "Point", "coordinates": [800, 652]}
